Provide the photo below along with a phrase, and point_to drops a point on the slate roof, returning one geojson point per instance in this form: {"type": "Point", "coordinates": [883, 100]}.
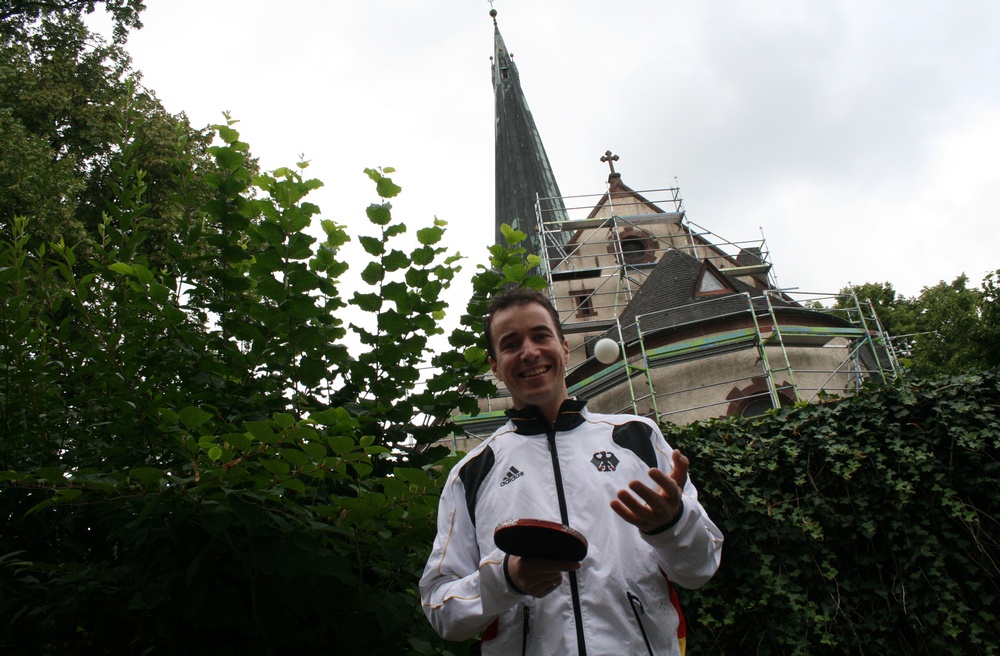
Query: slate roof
{"type": "Point", "coordinates": [667, 300]}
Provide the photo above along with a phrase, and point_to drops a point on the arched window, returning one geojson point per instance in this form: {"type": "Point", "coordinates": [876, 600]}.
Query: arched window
{"type": "Point", "coordinates": [636, 247]}
{"type": "Point", "coordinates": [754, 399]}
{"type": "Point", "coordinates": [633, 249]}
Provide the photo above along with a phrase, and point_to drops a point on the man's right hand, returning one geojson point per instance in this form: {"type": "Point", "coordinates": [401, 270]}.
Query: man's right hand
{"type": "Point", "coordinates": [536, 576]}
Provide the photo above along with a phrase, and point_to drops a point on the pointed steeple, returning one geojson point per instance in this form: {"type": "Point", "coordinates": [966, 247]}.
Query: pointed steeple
{"type": "Point", "coordinates": [523, 172]}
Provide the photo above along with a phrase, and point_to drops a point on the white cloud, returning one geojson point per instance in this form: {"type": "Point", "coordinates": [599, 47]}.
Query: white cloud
{"type": "Point", "coordinates": [934, 226]}
{"type": "Point", "coordinates": [859, 135]}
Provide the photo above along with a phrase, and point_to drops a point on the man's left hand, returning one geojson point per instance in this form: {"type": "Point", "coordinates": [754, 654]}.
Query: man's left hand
{"type": "Point", "coordinates": [650, 509]}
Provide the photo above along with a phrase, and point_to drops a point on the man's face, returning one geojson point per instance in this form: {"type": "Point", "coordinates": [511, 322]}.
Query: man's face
{"type": "Point", "coordinates": [530, 357]}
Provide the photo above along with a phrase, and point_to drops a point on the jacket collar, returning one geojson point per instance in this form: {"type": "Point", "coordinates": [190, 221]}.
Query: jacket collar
{"type": "Point", "coordinates": [530, 421]}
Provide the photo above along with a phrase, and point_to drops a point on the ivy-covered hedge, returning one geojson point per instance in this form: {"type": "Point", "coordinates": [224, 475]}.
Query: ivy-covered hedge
{"type": "Point", "coordinates": [866, 525]}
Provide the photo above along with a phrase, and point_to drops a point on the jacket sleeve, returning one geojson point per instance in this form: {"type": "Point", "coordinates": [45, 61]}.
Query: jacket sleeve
{"type": "Point", "coordinates": [461, 591]}
{"type": "Point", "coordinates": [689, 552]}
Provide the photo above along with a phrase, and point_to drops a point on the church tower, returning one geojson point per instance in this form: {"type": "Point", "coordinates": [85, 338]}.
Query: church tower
{"type": "Point", "coordinates": [524, 175]}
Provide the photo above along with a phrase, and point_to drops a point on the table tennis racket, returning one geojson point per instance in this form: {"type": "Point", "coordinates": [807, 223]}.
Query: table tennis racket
{"type": "Point", "coordinates": [539, 538]}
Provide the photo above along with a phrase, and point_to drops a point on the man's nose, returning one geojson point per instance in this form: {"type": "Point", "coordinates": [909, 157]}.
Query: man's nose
{"type": "Point", "coordinates": [529, 350]}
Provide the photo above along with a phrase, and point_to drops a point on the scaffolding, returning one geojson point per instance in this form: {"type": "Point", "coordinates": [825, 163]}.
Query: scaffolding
{"type": "Point", "coordinates": [776, 346]}
{"type": "Point", "coordinates": [602, 247]}
{"type": "Point", "coordinates": [855, 353]}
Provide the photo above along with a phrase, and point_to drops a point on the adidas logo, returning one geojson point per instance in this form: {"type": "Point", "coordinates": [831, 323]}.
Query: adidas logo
{"type": "Point", "coordinates": [512, 475]}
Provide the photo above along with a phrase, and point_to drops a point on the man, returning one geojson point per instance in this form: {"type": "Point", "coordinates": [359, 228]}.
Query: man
{"type": "Point", "coordinates": [611, 477]}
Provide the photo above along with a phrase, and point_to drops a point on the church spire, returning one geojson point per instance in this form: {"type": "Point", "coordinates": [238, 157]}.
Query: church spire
{"type": "Point", "coordinates": [523, 172]}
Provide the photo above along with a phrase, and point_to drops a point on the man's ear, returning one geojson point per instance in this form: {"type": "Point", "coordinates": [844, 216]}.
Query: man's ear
{"type": "Point", "coordinates": [565, 346]}
{"type": "Point", "coordinates": [493, 368]}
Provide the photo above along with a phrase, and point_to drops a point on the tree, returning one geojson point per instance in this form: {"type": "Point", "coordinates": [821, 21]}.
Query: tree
{"type": "Point", "coordinates": [33, 182]}
{"type": "Point", "coordinates": [185, 438]}
{"type": "Point", "coordinates": [197, 446]}
{"type": "Point", "coordinates": [988, 335]}
{"type": "Point", "coordinates": [16, 16]}
{"type": "Point", "coordinates": [946, 320]}
{"type": "Point", "coordinates": [68, 99]}
{"type": "Point", "coordinates": [949, 328]}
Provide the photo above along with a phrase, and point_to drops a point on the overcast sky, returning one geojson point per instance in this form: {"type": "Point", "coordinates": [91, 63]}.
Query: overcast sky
{"type": "Point", "coordinates": [862, 137]}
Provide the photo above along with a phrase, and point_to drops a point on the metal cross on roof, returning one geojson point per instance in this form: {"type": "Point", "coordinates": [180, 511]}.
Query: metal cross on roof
{"type": "Point", "coordinates": [610, 159]}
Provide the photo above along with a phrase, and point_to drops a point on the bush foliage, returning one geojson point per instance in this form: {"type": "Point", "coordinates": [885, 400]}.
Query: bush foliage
{"type": "Point", "coordinates": [868, 525]}
{"type": "Point", "coordinates": [192, 458]}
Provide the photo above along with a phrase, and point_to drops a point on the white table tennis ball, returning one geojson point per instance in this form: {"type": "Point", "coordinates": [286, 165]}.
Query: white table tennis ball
{"type": "Point", "coordinates": [606, 350]}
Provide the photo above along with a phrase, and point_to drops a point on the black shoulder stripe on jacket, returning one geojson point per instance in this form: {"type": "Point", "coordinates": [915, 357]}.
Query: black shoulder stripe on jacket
{"type": "Point", "coordinates": [637, 437]}
{"type": "Point", "coordinates": [473, 474]}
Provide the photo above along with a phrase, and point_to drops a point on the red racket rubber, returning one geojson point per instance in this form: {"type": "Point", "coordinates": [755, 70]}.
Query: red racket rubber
{"type": "Point", "coordinates": [539, 538]}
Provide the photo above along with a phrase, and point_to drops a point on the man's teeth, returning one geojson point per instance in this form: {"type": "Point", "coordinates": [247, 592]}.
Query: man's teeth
{"type": "Point", "coordinates": [534, 372]}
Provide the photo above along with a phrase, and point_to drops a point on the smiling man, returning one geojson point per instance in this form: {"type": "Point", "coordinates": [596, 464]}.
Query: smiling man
{"type": "Point", "coordinates": [528, 354]}
{"type": "Point", "coordinates": [612, 477]}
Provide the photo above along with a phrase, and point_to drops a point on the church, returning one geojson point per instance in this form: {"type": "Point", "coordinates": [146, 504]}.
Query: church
{"type": "Point", "coordinates": [702, 327]}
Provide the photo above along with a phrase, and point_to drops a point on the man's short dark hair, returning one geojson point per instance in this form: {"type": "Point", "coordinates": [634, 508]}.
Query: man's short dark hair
{"type": "Point", "coordinates": [514, 297]}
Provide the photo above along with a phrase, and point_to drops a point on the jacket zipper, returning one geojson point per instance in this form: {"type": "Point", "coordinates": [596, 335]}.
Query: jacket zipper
{"type": "Point", "coordinates": [633, 600]}
{"type": "Point", "coordinates": [574, 585]}
{"type": "Point", "coordinates": [526, 629]}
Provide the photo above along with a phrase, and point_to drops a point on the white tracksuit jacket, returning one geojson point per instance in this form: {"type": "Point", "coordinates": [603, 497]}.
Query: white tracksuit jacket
{"type": "Point", "coordinates": [620, 602]}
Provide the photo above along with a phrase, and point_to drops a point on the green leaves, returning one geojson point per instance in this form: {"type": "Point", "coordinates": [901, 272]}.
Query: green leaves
{"type": "Point", "coordinates": [380, 214]}
{"type": "Point", "coordinates": [146, 475]}
{"type": "Point", "coordinates": [374, 273]}
{"type": "Point", "coordinates": [819, 502]}
{"type": "Point", "coordinates": [512, 236]}
{"type": "Point", "coordinates": [384, 186]}
{"type": "Point", "coordinates": [51, 474]}
{"type": "Point", "coordinates": [367, 302]}
{"type": "Point", "coordinates": [192, 417]}
{"type": "Point", "coordinates": [948, 328]}
{"type": "Point", "coordinates": [372, 245]}
{"type": "Point", "coordinates": [475, 355]}
{"type": "Point", "coordinates": [176, 427]}
{"type": "Point", "coordinates": [430, 236]}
